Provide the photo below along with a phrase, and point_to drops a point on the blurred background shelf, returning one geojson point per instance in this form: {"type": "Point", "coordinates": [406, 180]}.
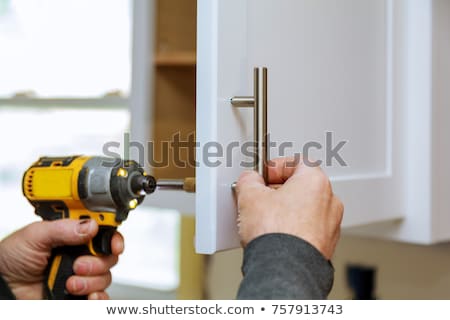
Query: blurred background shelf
{"type": "Point", "coordinates": [176, 59]}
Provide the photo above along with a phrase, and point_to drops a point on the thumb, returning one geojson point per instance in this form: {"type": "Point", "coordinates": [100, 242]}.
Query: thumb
{"type": "Point", "coordinates": [249, 182]}
{"type": "Point", "coordinates": [57, 233]}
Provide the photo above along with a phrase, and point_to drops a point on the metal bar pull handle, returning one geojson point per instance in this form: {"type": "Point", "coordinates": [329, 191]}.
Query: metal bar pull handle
{"type": "Point", "coordinates": [259, 104]}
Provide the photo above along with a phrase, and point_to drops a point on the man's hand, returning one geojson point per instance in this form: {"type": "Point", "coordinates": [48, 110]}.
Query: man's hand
{"type": "Point", "coordinates": [304, 206]}
{"type": "Point", "coordinates": [24, 256]}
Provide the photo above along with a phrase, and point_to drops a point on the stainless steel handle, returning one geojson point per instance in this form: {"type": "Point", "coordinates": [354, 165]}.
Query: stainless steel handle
{"type": "Point", "coordinates": [265, 134]}
{"type": "Point", "coordinates": [259, 104]}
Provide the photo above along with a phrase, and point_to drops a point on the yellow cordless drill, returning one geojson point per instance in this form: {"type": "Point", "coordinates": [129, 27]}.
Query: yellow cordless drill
{"type": "Point", "coordinates": [80, 187]}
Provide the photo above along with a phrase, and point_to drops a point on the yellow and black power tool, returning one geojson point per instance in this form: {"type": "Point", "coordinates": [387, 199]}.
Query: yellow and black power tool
{"type": "Point", "coordinates": [80, 187]}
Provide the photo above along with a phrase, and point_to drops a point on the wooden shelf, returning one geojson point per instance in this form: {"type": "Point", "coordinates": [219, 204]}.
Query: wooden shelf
{"type": "Point", "coordinates": [174, 63]}
{"type": "Point", "coordinates": [176, 59]}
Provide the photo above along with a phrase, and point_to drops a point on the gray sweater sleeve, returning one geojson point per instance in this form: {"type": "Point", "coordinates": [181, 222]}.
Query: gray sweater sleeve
{"type": "Point", "coordinates": [280, 266]}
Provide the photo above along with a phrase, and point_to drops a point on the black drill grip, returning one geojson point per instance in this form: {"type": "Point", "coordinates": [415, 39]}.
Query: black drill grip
{"type": "Point", "coordinates": [59, 269]}
{"type": "Point", "coordinates": [60, 266]}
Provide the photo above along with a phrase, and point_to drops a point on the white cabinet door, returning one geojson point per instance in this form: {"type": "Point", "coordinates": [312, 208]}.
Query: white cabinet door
{"type": "Point", "coordinates": [331, 78]}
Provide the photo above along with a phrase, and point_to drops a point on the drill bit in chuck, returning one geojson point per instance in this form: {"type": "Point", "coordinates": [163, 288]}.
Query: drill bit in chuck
{"type": "Point", "coordinates": [187, 184]}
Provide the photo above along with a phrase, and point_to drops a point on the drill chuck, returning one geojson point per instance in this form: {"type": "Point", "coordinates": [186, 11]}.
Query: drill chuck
{"type": "Point", "coordinates": [143, 183]}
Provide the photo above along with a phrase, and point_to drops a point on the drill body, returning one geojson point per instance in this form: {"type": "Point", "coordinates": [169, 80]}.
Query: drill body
{"type": "Point", "coordinates": [81, 187]}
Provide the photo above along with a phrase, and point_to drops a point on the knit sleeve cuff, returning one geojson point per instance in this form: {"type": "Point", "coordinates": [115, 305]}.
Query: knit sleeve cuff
{"type": "Point", "coordinates": [282, 266]}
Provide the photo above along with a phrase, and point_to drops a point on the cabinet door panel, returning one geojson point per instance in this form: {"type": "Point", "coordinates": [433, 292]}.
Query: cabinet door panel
{"type": "Point", "coordinates": [328, 71]}
{"type": "Point", "coordinates": [330, 79]}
